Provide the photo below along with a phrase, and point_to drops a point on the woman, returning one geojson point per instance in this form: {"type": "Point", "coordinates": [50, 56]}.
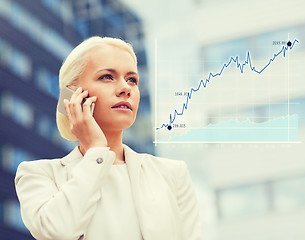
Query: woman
{"type": "Point", "coordinates": [103, 189]}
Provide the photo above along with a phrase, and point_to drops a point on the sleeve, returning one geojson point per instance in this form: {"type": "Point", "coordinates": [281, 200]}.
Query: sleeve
{"type": "Point", "coordinates": [188, 205]}
{"type": "Point", "coordinates": [62, 213]}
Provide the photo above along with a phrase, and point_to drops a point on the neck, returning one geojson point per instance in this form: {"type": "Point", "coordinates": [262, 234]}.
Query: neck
{"type": "Point", "coordinates": [114, 140]}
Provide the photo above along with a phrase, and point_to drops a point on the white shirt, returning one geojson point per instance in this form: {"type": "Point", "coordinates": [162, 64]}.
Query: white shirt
{"type": "Point", "coordinates": [117, 204]}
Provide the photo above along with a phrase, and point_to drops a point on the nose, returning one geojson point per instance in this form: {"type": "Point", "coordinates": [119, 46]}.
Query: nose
{"type": "Point", "coordinates": [123, 88]}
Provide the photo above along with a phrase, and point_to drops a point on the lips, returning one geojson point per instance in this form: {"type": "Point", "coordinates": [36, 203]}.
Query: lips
{"type": "Point", "coordinates": [123, 105]}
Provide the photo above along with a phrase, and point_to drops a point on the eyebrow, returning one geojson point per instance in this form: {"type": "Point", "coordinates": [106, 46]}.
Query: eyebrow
{"type": "Point", "coordinates": [114, 71]}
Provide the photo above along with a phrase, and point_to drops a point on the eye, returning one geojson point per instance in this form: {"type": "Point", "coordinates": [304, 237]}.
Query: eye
{"type": "Point", "coordinates": [132, 80]}
{"type": "Point", "coordinates": [106, 76]}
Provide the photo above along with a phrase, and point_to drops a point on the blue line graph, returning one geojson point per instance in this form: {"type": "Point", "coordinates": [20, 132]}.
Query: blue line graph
{"type": "Point", "coordinates": [239, 65]}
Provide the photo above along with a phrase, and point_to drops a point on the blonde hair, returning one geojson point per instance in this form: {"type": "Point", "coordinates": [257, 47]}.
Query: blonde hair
{"type": "Point", "coordinates": [73, 67]}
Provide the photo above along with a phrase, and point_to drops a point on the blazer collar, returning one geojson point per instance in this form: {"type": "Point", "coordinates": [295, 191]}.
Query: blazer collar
{"type": "Point", "coordinates": [133, 160]}
{"type": "Point", "coordinates": [74, 156]}
{"type": "Point", "coordinates": [151, 195]}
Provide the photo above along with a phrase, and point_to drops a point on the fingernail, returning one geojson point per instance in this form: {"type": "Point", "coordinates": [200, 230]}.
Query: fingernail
{"type": "Point", "coordinates": [65, 100]}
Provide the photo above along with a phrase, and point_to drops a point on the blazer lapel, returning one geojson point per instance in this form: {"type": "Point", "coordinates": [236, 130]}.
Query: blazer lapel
{"type": "Point", "coordinates": [151, 197]}
{"type": "Point", "coordinates": [70, 160]}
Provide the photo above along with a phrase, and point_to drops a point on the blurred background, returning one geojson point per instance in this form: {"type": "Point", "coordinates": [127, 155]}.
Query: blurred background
{"type": "Point", "coordinates": [245, 190]}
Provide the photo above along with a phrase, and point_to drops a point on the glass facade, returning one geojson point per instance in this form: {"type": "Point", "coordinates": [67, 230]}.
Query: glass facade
{"type": "Point", "coordinates": [37, 30]}
{"type": "Point", "coordinates": [12, 156]}
{"type": "Point", "coordinates": [18, 62]}
{"type": "Point", "coordinates": [47, 81]}
{"type": "Point", "coordinates": [17, 110]}
{"type": "Point", "coordinates": [29, 82]}
{"type": "Point", "coordinates": [62, 9]}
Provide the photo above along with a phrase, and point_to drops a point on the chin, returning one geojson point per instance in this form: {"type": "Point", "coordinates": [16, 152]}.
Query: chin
{"type": "Point", "coordinates": [117, 125]}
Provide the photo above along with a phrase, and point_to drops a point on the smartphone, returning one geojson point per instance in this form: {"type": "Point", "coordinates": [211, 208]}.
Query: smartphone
{"type": "Point", "coordinates": [66, 93]}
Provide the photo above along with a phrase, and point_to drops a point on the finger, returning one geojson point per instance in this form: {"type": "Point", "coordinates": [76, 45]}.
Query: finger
{"type": "Point", "coordinates": [74, 107]}
{"type": "Point", "coordinates": [80, 99]}
{"type": "Point", "coordinates": [66, 104]}
{"type": "Point", "coordinates": [76, 93]}
{"type": "Point", "coordinates": [87, 105]}
{"type": "Point", "coordinates": [75, 103]}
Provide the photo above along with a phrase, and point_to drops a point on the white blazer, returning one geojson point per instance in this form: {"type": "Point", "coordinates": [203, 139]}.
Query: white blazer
{"type": "Point", "coordinates": [59, 197]}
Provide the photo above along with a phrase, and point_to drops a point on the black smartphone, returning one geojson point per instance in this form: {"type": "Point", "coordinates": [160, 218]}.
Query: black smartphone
{"type": "Point", "coordinates": [66, 93]}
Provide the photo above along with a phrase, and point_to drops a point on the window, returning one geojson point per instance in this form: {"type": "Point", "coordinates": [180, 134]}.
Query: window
{"type": "Point", "coordinates": [282, 194]}
{"type": "Point", "coordinates": [47, 128]}
{"type": "Point", "coordinates": [18, 62]}
{"type": "Point", "coordinates": [38, 31]}
{"type": "Point", "coordinates": [17, 109]}
{"type": "Point", "coordinates": [12, 156]}
{"type": "Point", "coordinates": [47, 81]}
{"type": "Point", "coordinates": [289, 193]}
{"type": "Point", "coordinates": [82, 26]}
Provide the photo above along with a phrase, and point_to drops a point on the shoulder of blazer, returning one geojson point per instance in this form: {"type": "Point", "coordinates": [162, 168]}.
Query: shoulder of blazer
{"type": "Point", "coordinates": [46, 166]}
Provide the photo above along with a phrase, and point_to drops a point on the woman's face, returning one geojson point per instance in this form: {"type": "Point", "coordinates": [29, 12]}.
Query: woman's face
{"type": "Point", "coordinates": [111, 74]}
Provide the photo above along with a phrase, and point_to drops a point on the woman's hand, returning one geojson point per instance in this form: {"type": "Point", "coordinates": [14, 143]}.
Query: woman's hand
{"type": "Point", "coordinates": [82, 123]}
